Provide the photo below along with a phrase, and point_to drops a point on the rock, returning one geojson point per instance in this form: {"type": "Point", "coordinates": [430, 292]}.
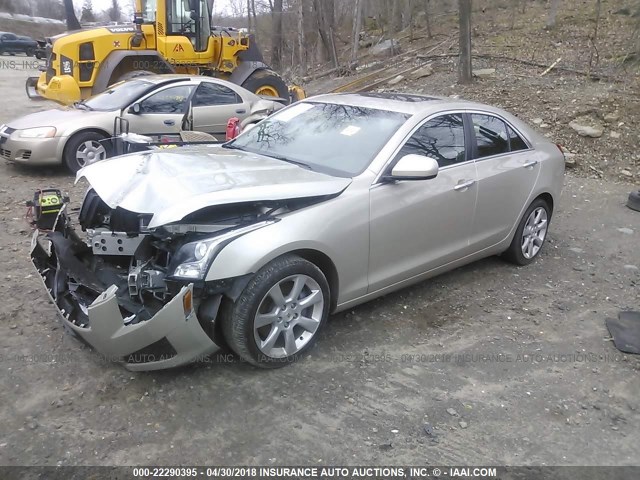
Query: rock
{"type": "Point", "coordinates": [463, 424]}
{"type": "Point", "coordinates": [545, 125]}
{"type": "Point", "coordinates": [626, 173]}
{"type": "Point", "coordinates": [626, 231]}
{"type": "Point", "coordinates": [631, 267]}
{"type": "Point", "coordinates": [576, 250]}
{"type": "Point", "coordinates": [388, 46]}
{"type": "Point", "coordinates": [484, 72]}
{"type": "Point", "coordinates": [537, 121]}
{"type": "Point", "coordinates": [593, 131]}
{"type": "Point", "coordinates": [612, 117]}
{"type": "Point", "coordinates": [422, 72]}
{"type": "Point", "coordinates": [428, 429]}
{"type": "Point", "coordinates": [395, 81]}
{"type": "Point", "coordinates": [614, 135]}
{"type": "Point", "coordinates": [570, 161]}
{"type": "Point", "coordinates": [452, 412]}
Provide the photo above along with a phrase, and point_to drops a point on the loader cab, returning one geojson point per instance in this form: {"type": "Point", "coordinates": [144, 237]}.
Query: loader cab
{"type": "Point", "coordinates": [180, 19]}
{"type": "Point", "coordinates": [192, 19]}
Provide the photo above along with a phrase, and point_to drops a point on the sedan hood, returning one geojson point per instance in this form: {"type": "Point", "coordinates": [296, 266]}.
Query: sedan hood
{"type": "Point", "coordinates": [173, 183]}
{"type": "Point", "coordinates": [51, 118]}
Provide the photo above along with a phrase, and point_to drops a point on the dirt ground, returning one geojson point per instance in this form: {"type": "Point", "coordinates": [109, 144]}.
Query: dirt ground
{"type": "Point", "coordinates": [489, 364]}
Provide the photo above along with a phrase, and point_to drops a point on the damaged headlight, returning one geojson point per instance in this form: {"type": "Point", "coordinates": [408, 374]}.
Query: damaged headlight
{"type": "Point", "coordinates": [195, 258]}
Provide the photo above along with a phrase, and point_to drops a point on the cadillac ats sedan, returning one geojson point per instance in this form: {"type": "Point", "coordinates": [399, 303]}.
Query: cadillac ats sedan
{"type": "Point", "coordinates": [326, 204]}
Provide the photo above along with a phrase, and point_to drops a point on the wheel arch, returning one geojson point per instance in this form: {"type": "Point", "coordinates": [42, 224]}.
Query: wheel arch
{"type": "Point", "coordinates": [119, 62]}
{"type": "Point", "coordinates": [62, 147]}
{"type": "Point", "coordinates": [547, 197]}
{"type": "Point", "coordinates": [328, 268]}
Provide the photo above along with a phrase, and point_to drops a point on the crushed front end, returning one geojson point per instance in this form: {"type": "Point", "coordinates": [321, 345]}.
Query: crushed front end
{"type": "Point", "coordinates": [131, 292]}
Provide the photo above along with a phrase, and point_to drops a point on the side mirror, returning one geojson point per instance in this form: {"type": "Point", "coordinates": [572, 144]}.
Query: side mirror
{"type": "Point", "coordinates": [415, 167]}
{"type": "Point", "coordinates": [135, 108]}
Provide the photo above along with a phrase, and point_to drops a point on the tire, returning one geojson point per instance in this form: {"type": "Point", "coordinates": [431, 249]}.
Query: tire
{"type": "Point", "coordinates": [239, 318]}
{"type": "Point", "coordinates": [520, 251]}
{"type": "Point", "coordinates": [267, 82]}
{"type": "Point", "coordinates": [39, 55]}
{"type": "Point", "coordinates": [30, 52]}
{"type": "Point", "coordinates": [85, 143]}
{"type": "Point", "coordinates": [134, 74]}
{"type": "Point", "coordinates": [634, 201]}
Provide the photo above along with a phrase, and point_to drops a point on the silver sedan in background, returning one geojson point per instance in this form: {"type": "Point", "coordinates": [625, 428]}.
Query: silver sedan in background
{"type": "Point", "coordinates": [153, 105]}
{"type": "Point", "coordinates": [326, 204]}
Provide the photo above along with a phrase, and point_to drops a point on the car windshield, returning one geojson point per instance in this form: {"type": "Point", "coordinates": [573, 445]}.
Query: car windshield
{"type": "Point", "coordinates": [340, 140]}
{"type": "Point", "coordinates": [118, 96]}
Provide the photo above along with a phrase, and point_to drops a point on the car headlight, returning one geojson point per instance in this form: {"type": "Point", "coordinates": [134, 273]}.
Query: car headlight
{"type": "Point", "coordinates": [195, 258]}
{"type": "Point", "coordinates": [39, 132]}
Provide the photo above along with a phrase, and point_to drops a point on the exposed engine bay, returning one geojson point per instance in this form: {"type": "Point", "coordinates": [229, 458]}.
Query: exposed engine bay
{"type": "Point", "coordinates": [143, 268]}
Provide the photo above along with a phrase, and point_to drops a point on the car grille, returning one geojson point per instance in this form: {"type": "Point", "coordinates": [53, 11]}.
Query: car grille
{"type": "Point", "coordinates": [5, 153]}
{"type": "Point", "coordinates": [26, 155]}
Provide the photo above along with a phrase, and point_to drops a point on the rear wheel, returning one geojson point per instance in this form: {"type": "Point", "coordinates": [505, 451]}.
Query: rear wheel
{"type": "Point", "coordinates": [278, 316]}
{"type": "Point", "coordinates": [85, 148]}
{"type": "Point", "coordinates": [267, 82]}
{"type": "Point", "coordinates": [30, 52]}
{"type": "Point", "coordinates": [530, 234]}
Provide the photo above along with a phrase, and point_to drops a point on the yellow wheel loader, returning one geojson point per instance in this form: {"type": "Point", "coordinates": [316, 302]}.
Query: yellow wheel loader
{"type": "Point", "coordinates": [167, 36]}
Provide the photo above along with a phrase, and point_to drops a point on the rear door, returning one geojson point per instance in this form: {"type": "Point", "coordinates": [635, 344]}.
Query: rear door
{"type": "Point", "coordinates": [418, 225]}
{"type": "Point", "coordinates": [214, 104]}
{"type": "Point", "coordinates": [162, 111]}
{"type": "Point", "coordinates": [507, 172]}
{"type": "Point", "coordinates": [9, 42]}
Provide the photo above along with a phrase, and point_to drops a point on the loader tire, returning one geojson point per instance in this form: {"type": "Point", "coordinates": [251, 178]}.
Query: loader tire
{"type": "Point", "coordinates": [267, 82]}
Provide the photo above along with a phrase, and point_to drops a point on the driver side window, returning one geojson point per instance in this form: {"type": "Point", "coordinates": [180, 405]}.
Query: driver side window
{"type": "Point", "coordinates": [173, 100]}
{"type": "Point", "coordinates": [441, 138]}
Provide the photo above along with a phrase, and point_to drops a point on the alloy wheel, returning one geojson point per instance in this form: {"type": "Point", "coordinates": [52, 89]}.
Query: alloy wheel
{"type": "Point", "coordinates": [534, 232]}
{"type": "Point", "coordinates": [288, 316]}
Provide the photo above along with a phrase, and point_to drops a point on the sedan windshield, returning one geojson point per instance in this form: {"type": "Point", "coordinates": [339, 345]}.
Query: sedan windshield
{"type": "Point", "coordinates": [340, 140]}
{"type": "Point", "coordinates": [118, 96]}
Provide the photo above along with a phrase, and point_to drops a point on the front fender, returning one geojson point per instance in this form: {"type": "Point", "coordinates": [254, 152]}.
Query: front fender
{"type": "Point", "coordinates": [337, 228]}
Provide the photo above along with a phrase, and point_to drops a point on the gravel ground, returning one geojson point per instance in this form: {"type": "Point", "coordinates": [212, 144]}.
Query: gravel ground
{"type": "Point", "coordinates": [488, 364]}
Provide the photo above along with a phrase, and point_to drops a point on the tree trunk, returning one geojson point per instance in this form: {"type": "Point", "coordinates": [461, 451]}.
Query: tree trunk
{"type": "Point", "coordinates": [276, 36]}
{"type": "Point", "coordinates": [464, 66]}
{"type": "Point", "coordinates": [357, 25]}
{"type": "Point", "coordinates": [249, 16]}
{"type": "Point", "coordinates": [302, 52]}
{"type": "Point", "coordinates": [427, 16]}
{"type": "Point", "coordinates": [70, 15]}
{"type": "Point", "coordinates": [553, 13]}
{"type": "Point", "coordinates": [324, 14]}
{"type": "Point", "coordinates": [396, 16]}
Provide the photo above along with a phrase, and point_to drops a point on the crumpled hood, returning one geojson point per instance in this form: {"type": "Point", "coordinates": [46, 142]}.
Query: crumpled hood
{"type": "Point", "coordinates": [173, 183]}
{"type": "Point", "coordinates": [56, 117]}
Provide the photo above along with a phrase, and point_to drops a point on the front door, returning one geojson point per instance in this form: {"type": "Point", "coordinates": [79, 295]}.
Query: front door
{"type": "Point", "coordinates": [418, 225]}
{"type": "Point", "coordinates": [162, 112]}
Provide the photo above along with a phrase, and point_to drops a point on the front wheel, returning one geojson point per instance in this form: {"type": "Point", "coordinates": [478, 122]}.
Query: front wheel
{"type": "Point", "coordinates": [530, 234]}
{"type": "Point", "coordinates": [278, 316]}
{"type": "Point", "coordinates": [85, 148]}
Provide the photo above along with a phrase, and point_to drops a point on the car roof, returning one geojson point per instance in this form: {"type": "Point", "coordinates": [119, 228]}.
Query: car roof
{"type": "Point", "coordinates": [407, 103]}
{"type": "Point", "coordinates": [172, 77]}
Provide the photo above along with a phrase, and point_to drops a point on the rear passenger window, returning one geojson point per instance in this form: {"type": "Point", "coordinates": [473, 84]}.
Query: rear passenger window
{"type": "Point", "coordinates": [517, 143]}
{"type": "Point", "coordinates": [491, 135]}
{"type": "Point", "coordinates": [209, 94]}
{"type": "Point", "coordinates": [441, 139]}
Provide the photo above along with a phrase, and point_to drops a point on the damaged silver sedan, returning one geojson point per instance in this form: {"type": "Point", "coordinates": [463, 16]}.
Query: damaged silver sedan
{"type": "Point", "coordinates": [327, 204]}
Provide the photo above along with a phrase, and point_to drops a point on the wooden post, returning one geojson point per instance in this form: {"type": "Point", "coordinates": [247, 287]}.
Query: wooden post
{"type": "Point", "coordinates": [464, 66]}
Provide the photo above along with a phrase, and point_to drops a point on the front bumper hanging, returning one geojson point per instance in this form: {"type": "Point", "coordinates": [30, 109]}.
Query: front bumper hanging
{"type": "Point", "coordinates": [172, 337]}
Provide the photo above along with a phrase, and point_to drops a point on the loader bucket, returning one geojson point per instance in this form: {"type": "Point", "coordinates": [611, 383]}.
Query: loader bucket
{"type": "Point", "coordinates": [31, 86]}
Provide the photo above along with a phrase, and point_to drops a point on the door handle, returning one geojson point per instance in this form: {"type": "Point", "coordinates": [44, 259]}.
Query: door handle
{"type": "Point", "coordinates": [464, 186]}
{"type": "Point", "coordinates": [241, 111]}
{"type": "Point", "coordinates": [170, 122]}
{"type": "Point", "coordinates": [530, 164]}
